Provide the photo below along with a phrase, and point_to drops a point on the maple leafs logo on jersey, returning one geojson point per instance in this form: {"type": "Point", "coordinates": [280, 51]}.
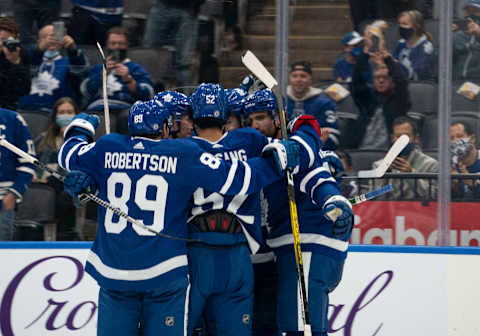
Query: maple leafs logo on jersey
{"type": "Point", "coordinates": [113, 84]}
{"type": "Point", "coordinates": [167, 98]}
{"type": "Point", "coordinates": [44, 84]}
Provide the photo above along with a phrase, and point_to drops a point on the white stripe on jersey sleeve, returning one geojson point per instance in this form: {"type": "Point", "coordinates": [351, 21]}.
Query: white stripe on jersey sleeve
{"type": "Point", "coordinates": [70, 153]}
{"type": "Point", "coordinates": [26, 170]}
{"type": "Point", "coordinates": [136, 275]}
{"type": "Point", "coordinates": [309, 150]}
{"type": "Point", "coordinates": [230, 177]}
{"type": "Point", "coordinates": [310, 175]}
{"type": "Point", "coordinates": [246, 178]}
{"type": "Point", "coordinates": [319, 182]}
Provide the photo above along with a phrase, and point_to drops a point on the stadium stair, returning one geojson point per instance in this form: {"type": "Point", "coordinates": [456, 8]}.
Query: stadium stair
{"type": "Point", "coordinates": [316, 30]}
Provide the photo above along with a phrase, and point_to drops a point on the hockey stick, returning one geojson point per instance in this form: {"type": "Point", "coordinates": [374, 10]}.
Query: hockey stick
{"type": "Point", "coordinates": [259, 70]}
{"type": "Point", "coordinates": [104, 85]}
{"type": "Point", "coordinates": [86, 196]}
{"type": "Point", "coordinates": [392, 153]}
{"type": "Point", "coordinates": [371, 195]}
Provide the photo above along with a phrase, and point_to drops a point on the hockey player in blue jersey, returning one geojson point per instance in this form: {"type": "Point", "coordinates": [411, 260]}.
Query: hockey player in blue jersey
{"type": "Point", "coordinates": [143, 278]}
{"type": "Point", "coordinates": [220, 267]}
{"type": "Point", "coordinates": [325, 221]}
{"type": "Point", "coordinates": [16, 173]}
{"type": "Point", "coordinates": [228, 227]}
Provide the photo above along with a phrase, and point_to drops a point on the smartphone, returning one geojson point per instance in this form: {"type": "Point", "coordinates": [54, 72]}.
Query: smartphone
{"type": "Point", "coordinates": [375, 44]}
{"type": "Point", "coordinates": [59, 28]}
{"type": "Point", "coordinates": [462, 24]}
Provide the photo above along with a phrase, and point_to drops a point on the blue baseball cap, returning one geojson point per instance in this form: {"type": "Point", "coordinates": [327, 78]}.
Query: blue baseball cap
{"type": "Point", "coordinates": [472, 3]}
{"type": "Point", "coordinates": [352, 38]}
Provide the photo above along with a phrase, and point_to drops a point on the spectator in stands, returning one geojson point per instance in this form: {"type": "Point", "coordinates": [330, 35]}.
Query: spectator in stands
{"type": "Point", "coordinates": [466, 159]}
{"type": "Point", "coordinates": [91, 20]}
{"type": "Point", "coordinates": [379, 105]}
{"type": "Point", "coordinates": [415, 50]}
{"type": "Point", "coordinates": [34, 13]}
{"type": "Point", "coordinates": [175, 19]}
{"type": "Point", "coordinates": [410, 160]}
{"type": "Point", "coordinates": [466, 43]}
{"type": "Point", "coordinates": [14, 66]}
{"type": "Point", "coordinates": [48, 144]}
{"type": "Point", "coordinates": [353, 49]}
{"type": "Point", "coordinates": [127, 81]}
{"type": "Point", "coordinates": [15, 174]}
{"type": "Point", "coordinates": [302, 98]}
{"type": "Point", "coordinates": [55, 63]}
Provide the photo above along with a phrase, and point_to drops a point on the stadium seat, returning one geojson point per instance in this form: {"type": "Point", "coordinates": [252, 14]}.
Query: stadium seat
{"type": "Point", "coordinates": [37, 122]}
{"type": "Point", "coordinates": [157, 62]}
{"type": "Point", "coordinates": [91, 53]}
{"type": "Point", "coordinates": [429, 135]}
{"type": "Point", "coordinates": [363, 159]}
{"type": "Point", "coordinates": [424, 98]}
{"type": "Point", "coordinates": [431, 27]}
{"type": "Point", "coordinates": [37, 209]}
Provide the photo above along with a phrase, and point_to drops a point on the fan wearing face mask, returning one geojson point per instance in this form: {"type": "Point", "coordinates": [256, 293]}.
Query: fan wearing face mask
{"type": "Point", "coordinates": [465, 159]}
{"type": "Point", "coordinates": [48, 144]}
{"type": "Point", "coordinates": [410, 160]}
{"type": "Point", "coordinates": [352, 49]}
{"type": "Point", "coordinates": [414, 50]}
{"type": "Point", "coordinates": [57, 62]}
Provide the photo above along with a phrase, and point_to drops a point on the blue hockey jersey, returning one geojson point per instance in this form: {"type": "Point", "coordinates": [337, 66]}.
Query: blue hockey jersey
{"type": "Point", "coordinates": [52, 79]}
{"type": "Point", "coordinates": [320, 106]}
{"type": "Point", "coordinates": [16, 173]}
{"type": "Point", "coordinates": [313, 188]}
{"type": "Point", "coordinates": [418, 61]}
{"type": "Point", "coordinates": [152, 181]}
{"type": "Point", "coordinates": [240, 144]}
{"type": "Point", "coordinates": [119, 96]}
{"type": "Point", "coordinates": [105, 11]}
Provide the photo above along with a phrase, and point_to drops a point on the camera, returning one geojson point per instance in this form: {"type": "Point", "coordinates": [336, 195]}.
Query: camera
{"type": "Point", "coordinates": [117, 55]}
{"type": "Point", "coordinates": [11, 44]}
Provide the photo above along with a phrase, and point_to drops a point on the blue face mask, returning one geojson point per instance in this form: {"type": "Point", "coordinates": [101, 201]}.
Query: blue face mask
{"type": "Point", "coordinates": [64, 119]}
{"type": "Point", "coordinates": [407, 150]}
{"type": "Point", "coordinates": [51, 53]}
{"type": "Point", "coordinates": [356, 52]}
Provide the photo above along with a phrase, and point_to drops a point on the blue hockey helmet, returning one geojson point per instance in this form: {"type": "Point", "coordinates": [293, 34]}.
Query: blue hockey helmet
{"type": "Point", "coordinates": [262, 100]}
{"type": "Point", "coordinates": [236, 100]}
{"type": "Point", "coordinates": [148, 117]}
{"type": "Point", "coordinates": [209, 101]}
{"type": "Point", "coordinates": [176, 102]}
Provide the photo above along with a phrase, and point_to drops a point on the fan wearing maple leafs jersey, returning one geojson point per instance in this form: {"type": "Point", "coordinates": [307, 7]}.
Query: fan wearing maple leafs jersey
{"type": "Point", "coordinates": [127, 81]}
{"type": "Point", "coordinates": [56, 63]}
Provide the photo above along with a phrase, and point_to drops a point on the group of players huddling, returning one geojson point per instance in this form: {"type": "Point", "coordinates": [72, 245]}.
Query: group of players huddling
{"type": "Point", "coordinates": [223, 196]}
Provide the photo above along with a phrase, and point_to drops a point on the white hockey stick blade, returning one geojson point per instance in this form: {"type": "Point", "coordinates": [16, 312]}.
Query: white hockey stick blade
{"type": "Point", "coordinates": [100, 50]}
{"type": "Point", "coordinates": [392, 153]}
{"type": "Point", "coordinates": [258, 69]}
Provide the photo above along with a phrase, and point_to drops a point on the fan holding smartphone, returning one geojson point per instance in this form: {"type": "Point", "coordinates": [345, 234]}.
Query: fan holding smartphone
{"type": "Point", "coordinates": [58, 60]}
{"type": "Point", "coordinates": [466, 45]}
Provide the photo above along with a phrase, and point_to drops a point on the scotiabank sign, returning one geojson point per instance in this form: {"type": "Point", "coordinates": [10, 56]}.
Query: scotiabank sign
{"type": "Point", "coordinates": [411, 223]}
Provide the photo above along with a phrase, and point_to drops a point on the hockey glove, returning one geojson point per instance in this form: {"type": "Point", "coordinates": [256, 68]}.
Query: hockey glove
{"type": "Point", "coordinates": [251, 83]}
{"type": "Point", "coordinates": [285, 154]}
{"type": "Point", "coordinates": [304, 119]}
{"type": "Point", "coordinates": [76, 183]}
{"type": "Point", "coordinates": [82, 124]}
{"type": "Point", "coordinates": [339, 210]}
{"type": "Point", "coordinates": [334, 163]}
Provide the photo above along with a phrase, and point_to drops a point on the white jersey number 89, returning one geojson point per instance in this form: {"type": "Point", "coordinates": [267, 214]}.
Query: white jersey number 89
{"type": "Point", "coordinates": [157, 205]}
